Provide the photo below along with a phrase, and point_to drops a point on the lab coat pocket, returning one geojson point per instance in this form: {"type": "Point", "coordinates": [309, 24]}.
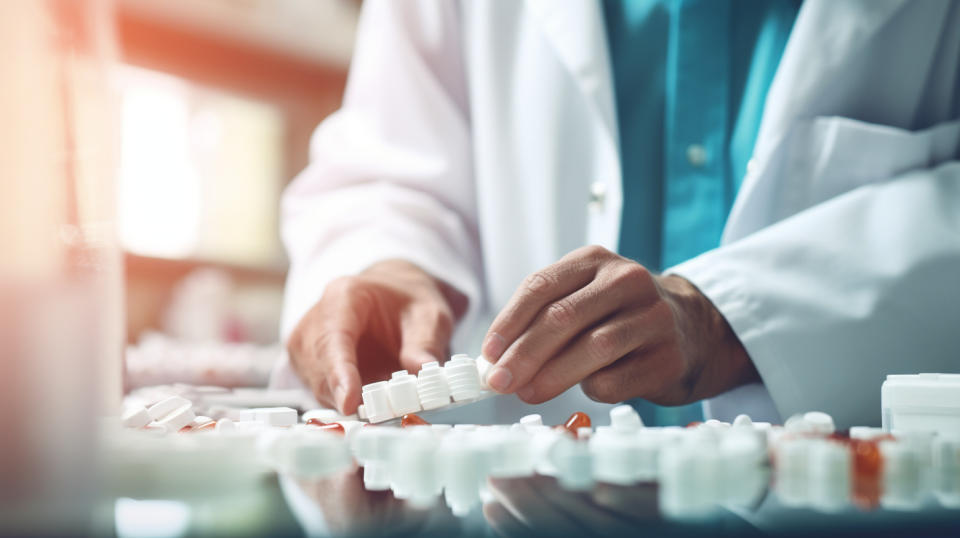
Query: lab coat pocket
{"type": "Point", "coordinates": [832, 155]}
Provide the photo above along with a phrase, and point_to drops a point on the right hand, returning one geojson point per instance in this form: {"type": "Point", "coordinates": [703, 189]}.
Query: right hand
{"type": "Point", "coordinates": [391, 316]}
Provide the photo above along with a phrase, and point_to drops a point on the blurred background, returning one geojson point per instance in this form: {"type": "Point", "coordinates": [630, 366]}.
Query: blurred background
{"type": "Point", "coordinates": [143, 149]}
{"type": "Point", "coordinates": [218, 100]}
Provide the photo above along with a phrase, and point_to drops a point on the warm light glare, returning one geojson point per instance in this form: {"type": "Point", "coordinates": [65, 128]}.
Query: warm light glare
{"type": "Point", "coordinates": [159, 194]}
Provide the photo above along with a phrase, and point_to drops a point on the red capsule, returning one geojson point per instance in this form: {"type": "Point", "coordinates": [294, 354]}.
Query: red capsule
{"type": "Point", "coordinates": [576, 421]}
{"type": "Point", "coordinates": [332, 427]}
{"type": "Point", "coordinates": [412, 420]}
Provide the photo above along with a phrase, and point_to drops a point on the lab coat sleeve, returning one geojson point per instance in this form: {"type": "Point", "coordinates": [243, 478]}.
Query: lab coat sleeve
{"type": "Point", "coordinates": [831, 300]}
{"type": "Point", "coordinates": [390, 172]}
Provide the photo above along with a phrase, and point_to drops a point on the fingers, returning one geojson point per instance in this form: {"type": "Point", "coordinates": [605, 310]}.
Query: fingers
{"type": "Point", "coordinates": [425, 332]}
{"type": "Point", "coordinates": [553, 328]}
{"type": "Point", "coordinates": [648, 374]}
{"type": "Point", "coordinates": [569, 274]}
{"type": "Point", "coordinates": [602, 345]}
{"type": "Point", "coordinates": [324, 345]}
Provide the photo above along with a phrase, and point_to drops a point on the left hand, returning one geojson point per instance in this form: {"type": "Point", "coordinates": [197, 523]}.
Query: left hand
{"type": "Point", "coordinates": [606, 322]}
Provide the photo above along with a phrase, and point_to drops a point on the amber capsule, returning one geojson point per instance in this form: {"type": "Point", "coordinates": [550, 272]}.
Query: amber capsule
{"type": "Point", "coordinates": [185, 429]}
{"type": "Point", "coordinates": [412, 420]}
{"type": "Point", "coordinates": [576, 421]}
{"type": "Point", "coordinates": [332, 427]}
{"type": "Point", "coordinates": [867, 473]}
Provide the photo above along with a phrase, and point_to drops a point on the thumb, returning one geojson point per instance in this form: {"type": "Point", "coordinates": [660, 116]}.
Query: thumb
{"type": "Point", "coordinates": [424, 336]}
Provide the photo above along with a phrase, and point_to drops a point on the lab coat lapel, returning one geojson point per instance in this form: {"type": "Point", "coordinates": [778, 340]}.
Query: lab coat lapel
{"type": "Point", "coordinates": [829, 41]}
{"type": "Point", "coordinates": [829, 45]}
{"type": "Point", "coordinates": [576, 30]}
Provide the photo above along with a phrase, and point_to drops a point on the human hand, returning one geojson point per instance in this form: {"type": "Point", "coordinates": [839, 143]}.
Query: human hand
{"type": "Point", "coordinates": [391, 316]}
{"type": "Point", "coordinates": [606, 322]}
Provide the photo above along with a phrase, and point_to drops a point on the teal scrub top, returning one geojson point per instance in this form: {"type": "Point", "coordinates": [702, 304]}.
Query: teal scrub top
{"type": "Point", "coordinates": [690, 81]}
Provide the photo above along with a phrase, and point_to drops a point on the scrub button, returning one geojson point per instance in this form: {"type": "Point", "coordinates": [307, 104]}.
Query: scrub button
{"type": "Point", "coordinates": [696, 155]}
{"type": "Point", "coordinates": [598, 196]}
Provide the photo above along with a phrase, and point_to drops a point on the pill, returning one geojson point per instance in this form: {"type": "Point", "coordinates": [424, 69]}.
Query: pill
{"type": "Point", "coordinates": [135, 417]}
{"type": "Point", "coordinates": [331, 427]}
{"type": "Point", "coordinates": [411, 419]}
{"type": "Point", "coordinates": [576, 421]}
{"type": "Point", "coordinates": [166, 406]}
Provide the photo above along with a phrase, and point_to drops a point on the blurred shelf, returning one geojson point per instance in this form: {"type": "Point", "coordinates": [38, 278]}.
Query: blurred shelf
{"type": "Point", "coordinates": [202, 42]}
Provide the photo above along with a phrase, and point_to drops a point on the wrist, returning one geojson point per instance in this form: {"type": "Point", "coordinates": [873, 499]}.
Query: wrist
{"type": "Point", "coordinates": [716, 359]}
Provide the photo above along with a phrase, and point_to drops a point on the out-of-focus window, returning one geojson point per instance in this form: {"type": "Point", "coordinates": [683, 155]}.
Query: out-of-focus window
{"type": "Point", "coordinates": [201, 172]}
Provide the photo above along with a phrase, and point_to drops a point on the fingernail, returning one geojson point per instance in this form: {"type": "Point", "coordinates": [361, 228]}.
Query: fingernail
{"type": "Point", "coordinates": [499, 379]}
{"type": "Point", "coordinates": [494, 346]}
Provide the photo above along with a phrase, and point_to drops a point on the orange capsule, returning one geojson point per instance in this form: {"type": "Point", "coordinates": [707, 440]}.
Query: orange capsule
{"type": "Point", "coordinates": [576, 421]}
{"type": "Point", "coordinates": [867, 473]}
{"type": "Point", "coordinates": [185, 429]}
{"type": "Point", "coordinates": [694, 424]}
{"type": "Point", "coordinates": [412, 420]}
{"type": "Point", "coordinates": [332, 427]}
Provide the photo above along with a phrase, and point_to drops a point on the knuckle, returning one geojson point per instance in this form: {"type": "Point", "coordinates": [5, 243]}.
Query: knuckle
{"type": "Point", "coordinates": [634, 275]}
{"type": "Point", "coordinates": [560, 314]}
{"type": "Point", "coordinates": [593, 252]}
{"type": "Point", "coordinates": [603, 344]}
{"type": "Point", "coordinates": [538, 282]}
{"type": "Point", "coordinates": [601, 387]}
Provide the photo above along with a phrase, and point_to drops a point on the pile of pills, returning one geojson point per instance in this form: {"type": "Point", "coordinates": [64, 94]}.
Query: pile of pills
{"type": "Point", "coordinates": [699, 469]}
{"type": "Point", "coordinates": [461, 379]}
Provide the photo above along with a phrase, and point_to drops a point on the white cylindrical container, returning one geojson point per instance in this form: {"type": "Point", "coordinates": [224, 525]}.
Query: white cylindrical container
{"type": "Point", "coordinates": [615, 456]}
{"type": "Point", "coordinates": [946, 470]}
{"type": "Point", "coordinates": [462, 378]}
{"type": "Point", "coordinates": [462, 475]}
{"type": "Point", "coordinates": [744, 474]}
{"type": "Point", "coordinates": [402, 391]}
{"type": "Point", "coordinates": [793, 471]}
{"type": "Point", "coordinates": [574, 463]}
{"type": "Point", "coordinates": [376, 402]}
{"type": "Point", "coordinates": [903, 487]}
{"type": "Point", "coordinates": [690, 478]}
{"type": "Point", "coordinates": [830, 475]}
{"type": "Point", "coordinates": [432, 386]}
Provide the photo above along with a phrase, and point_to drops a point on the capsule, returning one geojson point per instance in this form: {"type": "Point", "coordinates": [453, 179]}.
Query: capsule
{"type": "Point", "coordinates": [412, 420]}
{"type": "Point", "coordinates": [208, 426]}
{"type": "Point", "coordinates": [867, 473]}
{"type": "Point", "coordinates": [576, 421]}
{"type": "Point", "coordinates": [332, 427]}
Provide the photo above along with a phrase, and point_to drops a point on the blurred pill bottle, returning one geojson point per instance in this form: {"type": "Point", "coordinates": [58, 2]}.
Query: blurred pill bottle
{"type": "Point", "coordinates": [61, 319]}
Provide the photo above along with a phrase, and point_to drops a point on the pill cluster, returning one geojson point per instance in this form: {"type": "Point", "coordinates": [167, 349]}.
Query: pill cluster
{"type": "Point", "coordinates": [158, 359]}
{"type": "Point", "coordinates": [699, 468]}
{"type": "Point", "coordinates": [459, 380]}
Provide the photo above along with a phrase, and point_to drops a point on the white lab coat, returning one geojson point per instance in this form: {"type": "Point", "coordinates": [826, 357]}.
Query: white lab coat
{"type": "Point", "coordinates": [478, 139]}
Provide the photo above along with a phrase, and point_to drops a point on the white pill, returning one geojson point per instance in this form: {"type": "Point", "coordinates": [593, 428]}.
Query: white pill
{"type": "Point", "coordinates": [178, 418]}
{"type": "Point", "coordinates": [276, 416]}
{"type": "Point", "coordinates": [225, 425]}
{"type": "Point", "coordinates": [532, 420]}
{"type": "Point", "coordinates": [166, 406]}
{"type": "Point", "coordinates": [135, 417]}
